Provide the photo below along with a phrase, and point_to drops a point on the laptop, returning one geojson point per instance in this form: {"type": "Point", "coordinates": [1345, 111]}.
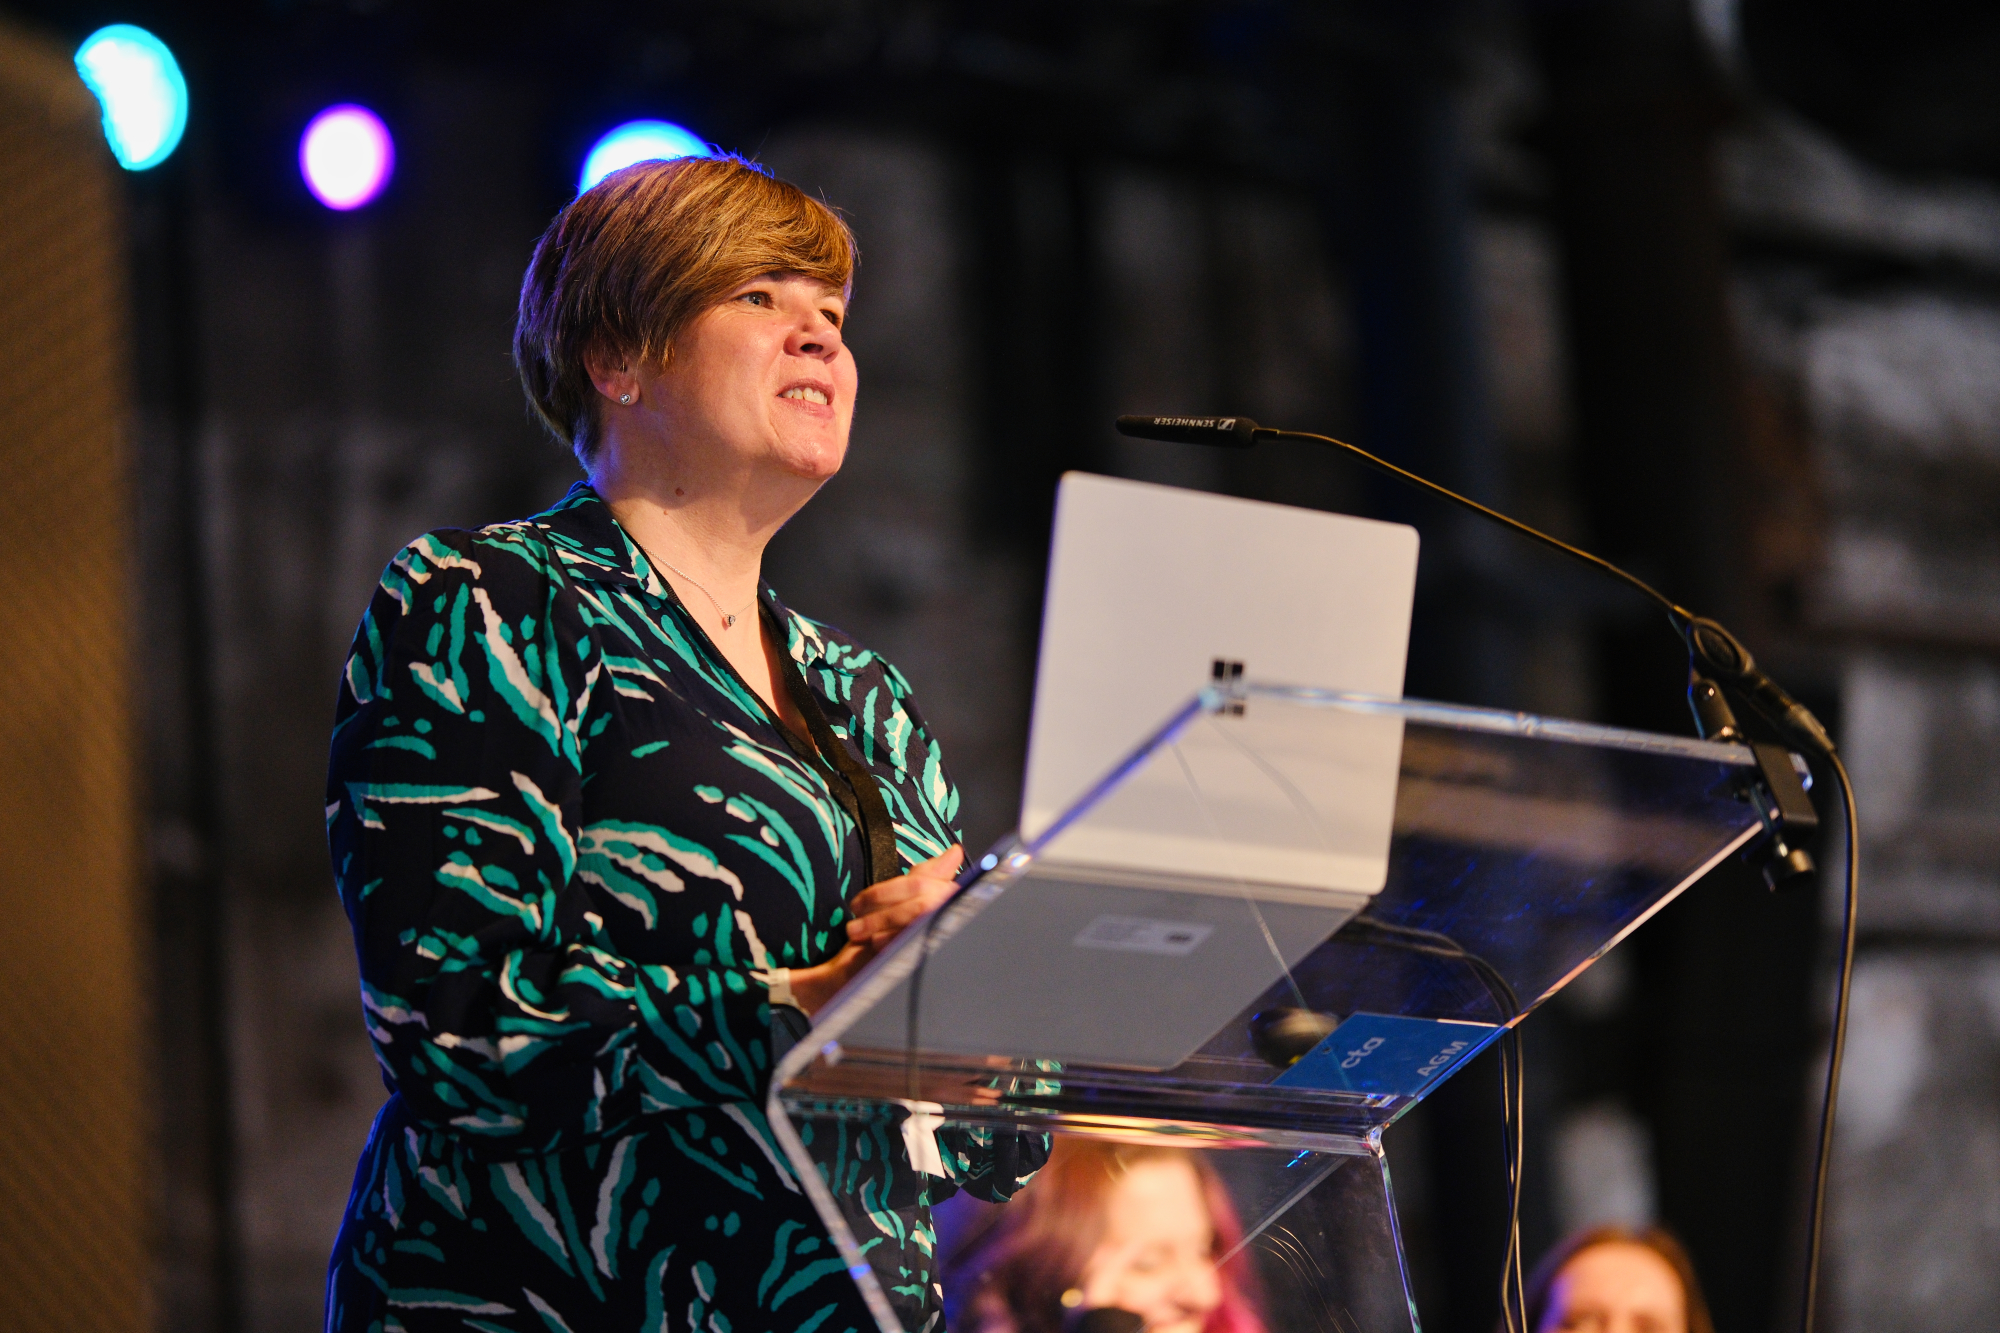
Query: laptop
{"type": "Point", "coordinates": [1147, 926]}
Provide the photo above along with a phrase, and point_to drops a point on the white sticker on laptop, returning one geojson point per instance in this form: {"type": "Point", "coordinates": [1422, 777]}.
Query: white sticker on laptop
{"type": "Point", "coordinates": [1144, 934]}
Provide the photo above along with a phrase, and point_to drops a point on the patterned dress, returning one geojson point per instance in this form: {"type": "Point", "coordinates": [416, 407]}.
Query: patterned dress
{"type": "Point", "coordinates": [570, 840]}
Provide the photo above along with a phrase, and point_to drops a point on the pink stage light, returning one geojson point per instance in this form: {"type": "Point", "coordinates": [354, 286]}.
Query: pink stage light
{"type": "Point", "coordinates": [346, 156]}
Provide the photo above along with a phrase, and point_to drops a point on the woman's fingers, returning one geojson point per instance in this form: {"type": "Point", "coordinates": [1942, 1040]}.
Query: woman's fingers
{"type": "Point", "coordinates": [890, 892]}
{"type": "Point", "coordinates": [885, 920]}
{"type": "Point", "coordinates": [880, 913]}
{"type": "Point", "coordinates": [924, 877]}
{"type": "Point", "coordinates": [890, 920]}
{"type": "Point", "coordinates": [945, 865]}
{"type": "Point", "coordinates": [882, 910]}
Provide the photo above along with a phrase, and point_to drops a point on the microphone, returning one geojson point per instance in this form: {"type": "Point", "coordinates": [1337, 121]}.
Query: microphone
{"type": "Point", "coordinates": [1104, 1319]}
{"type": "Point", "coordinates": [1230, 432]}
{"type": "Point", "coordinates": [1709, 645]}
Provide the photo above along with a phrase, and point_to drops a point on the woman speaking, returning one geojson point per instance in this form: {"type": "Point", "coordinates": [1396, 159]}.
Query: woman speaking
{"type": "Point", "coordinates": [600, 805]}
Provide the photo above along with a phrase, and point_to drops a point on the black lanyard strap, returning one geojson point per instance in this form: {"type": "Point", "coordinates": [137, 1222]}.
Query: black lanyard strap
{"type": "Point", "coordinates": [862, 797]}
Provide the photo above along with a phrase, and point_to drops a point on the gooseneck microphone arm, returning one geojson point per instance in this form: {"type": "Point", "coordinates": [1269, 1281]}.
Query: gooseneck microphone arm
{"type": "Point", "coordinates": [1708, 643]}
{"type": "Point", "coordinates": [1712, 651]}
{"type": "Point", "coordinates": [1241, 433]}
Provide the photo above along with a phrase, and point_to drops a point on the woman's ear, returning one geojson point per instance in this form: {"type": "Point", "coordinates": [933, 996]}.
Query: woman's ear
{"type": "Point", "coordinates": [613, 375]}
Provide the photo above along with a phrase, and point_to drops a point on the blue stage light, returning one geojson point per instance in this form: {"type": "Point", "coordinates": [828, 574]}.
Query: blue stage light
{"type": "Point", "coordinates": [638, 141]}
{"type": "Point", "coordinates": [139, 84]}
{"type": "Point", "coordinates": [346, 156]}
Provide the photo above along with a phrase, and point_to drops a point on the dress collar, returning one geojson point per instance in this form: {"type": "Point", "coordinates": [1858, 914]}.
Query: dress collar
{"type": "Point", "coordinates": [594, 545]}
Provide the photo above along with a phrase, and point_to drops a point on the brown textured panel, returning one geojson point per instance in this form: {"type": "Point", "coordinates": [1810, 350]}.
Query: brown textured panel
{"type": "Point", "coordinates": [73, 1221]}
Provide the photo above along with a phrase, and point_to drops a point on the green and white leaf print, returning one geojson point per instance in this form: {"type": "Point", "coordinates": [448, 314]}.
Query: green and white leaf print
{"type": "Point", "coordinates": [570, 842]}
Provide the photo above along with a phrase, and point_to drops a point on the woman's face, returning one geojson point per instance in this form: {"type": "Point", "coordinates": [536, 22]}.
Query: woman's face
{"type": "Point", "coordinates": [1616, 1288]}
{"type": "Point", "coordinates": [1157, 1255]}
{"type": "Point", "coordinates": [763, 380]}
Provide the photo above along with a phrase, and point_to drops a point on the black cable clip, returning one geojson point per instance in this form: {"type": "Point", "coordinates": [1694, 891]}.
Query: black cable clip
{"type": "Point", "coordinates": [1227, 678]}
{"type": "Point", "coordinates": [1788, 817]}
{"type": "Point", "coordinates": [1778, 793]}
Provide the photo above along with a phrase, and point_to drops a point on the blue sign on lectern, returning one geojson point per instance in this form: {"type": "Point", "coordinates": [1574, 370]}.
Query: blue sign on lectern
{"type": "Point", "coordinates": [1386, 1053]}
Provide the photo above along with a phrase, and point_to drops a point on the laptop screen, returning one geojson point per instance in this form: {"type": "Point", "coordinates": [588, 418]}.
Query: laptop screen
{"type": "Point", "coordinates": [1151, 586]}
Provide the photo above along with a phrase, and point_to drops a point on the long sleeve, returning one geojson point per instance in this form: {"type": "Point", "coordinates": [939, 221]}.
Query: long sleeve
{"type": "Point", "coordinates": [571, 842]}
{"type": "Point", "coordinates": [498, 1007]}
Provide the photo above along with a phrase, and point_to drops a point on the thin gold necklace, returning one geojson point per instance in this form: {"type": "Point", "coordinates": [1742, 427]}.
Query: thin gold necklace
{"type": "Point", "coordinates": [728, 617]}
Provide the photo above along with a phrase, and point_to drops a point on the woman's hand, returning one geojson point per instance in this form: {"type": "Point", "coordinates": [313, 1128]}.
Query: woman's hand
{"type": "Point", "coordinates": [882, 910]}
{"type": "Point", "coordinates": [879, 914]}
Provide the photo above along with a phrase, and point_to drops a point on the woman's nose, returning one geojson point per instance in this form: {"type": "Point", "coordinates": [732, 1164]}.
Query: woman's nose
{"type": "Point", "coordinates": [815, 335]}
{"type": "Point", "coordinates": [1200, 1288]}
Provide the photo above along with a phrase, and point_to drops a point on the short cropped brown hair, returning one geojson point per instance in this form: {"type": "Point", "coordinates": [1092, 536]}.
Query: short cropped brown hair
{"type": "Point", "coordinates": [634, 259]}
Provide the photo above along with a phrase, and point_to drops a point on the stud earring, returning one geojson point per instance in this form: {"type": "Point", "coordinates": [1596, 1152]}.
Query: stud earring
{"type": "Point", "coordinates": [624, 397]}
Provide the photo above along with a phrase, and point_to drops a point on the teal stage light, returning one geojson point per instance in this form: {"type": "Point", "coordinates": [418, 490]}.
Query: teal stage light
{"type": "Point", "coordinates": [139, 84]}
{"type": "Point", "coordinates": [638, 141]}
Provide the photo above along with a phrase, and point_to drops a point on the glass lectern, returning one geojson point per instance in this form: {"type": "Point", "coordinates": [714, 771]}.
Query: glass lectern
{"type": "Point", "coordinates": [1413, 878]}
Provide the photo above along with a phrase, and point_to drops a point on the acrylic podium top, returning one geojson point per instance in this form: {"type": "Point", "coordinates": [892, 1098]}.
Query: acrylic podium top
{"type": "Point", "coordinates": [1410, 876]}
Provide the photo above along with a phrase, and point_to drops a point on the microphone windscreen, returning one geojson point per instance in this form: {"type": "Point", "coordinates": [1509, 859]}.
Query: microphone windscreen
{"type": "Point", "coordinates": [1106, 1319]}
{"type": "Point", "coordinates": [1231, 432]}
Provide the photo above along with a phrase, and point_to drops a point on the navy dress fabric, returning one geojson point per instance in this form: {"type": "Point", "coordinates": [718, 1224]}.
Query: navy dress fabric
{"type": "Point", "coordinates": [570, 842]}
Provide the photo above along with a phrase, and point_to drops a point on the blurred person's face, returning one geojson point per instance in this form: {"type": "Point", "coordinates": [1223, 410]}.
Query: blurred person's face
{"type": "Point", "coordinates": [1157, 1255]}
{"type": "Point", "coordinates": [1616, 1288]}
{"type": "Point", "coordinates": [762, 381]}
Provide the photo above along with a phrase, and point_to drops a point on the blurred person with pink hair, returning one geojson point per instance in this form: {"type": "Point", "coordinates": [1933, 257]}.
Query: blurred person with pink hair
{"type": "Point", "coordinates": [1106, 1227]}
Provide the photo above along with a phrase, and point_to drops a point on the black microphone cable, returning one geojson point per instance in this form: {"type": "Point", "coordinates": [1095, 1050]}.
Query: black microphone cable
{"type": "Point", "coordinates": [1368, 929]}
{"type": "Point", "coordinates": [1707, 641]}
{"type": "Point", "coordinates": [1709, 646]}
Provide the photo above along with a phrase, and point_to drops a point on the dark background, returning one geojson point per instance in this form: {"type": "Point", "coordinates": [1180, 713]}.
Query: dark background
{"type": "Point", "coordinates": [1714, 289]}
